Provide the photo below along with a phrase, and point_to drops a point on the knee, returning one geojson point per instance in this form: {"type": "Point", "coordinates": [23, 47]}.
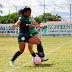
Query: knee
{"type": "Point", "coordinates": [21, 51]}
{"type": "Point", "coordinates": [39, 42]}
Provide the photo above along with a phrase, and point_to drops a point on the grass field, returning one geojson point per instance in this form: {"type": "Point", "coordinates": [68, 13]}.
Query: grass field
{"type": "Point", "coordinates": [57, 49]}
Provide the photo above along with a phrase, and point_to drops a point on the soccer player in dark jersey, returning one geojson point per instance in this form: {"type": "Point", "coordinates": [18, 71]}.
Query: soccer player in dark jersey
{"type": "Point", "coordinates": [24, 35]}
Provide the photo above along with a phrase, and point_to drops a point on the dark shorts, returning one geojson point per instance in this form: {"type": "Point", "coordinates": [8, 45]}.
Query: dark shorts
{"type": "Point", "coordinates": [24, 37]}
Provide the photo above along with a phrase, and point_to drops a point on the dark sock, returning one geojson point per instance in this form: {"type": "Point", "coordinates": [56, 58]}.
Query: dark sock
{"type": "Point", "coordinates": [33, 54]}
{"type": "Point", "coordinates": [40, 48]}
{"type": "Point", "coordinates": [15, 56]}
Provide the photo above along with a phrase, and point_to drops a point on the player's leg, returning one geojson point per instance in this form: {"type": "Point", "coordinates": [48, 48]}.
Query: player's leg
{"type": "Point", "coordinates": [34, 40]}
{"type": "Point", "coordinates": [30, 47]}
{"type": "Point", "coordinates": [40, 51]}
{"type": "Point", "coordinates": [36, 34]}
{"type": "Point", "coordinates": [21, 49]}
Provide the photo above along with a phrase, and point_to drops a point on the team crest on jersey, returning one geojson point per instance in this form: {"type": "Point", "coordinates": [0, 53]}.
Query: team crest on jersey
{"type": "Point", "coordinates": [31, 35]}
{"type": "Point", "coordinates": [22, 38]}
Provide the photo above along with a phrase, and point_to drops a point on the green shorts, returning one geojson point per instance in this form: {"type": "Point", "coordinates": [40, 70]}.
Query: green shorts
{"type": "Point", "coordinates": [24, 37]}
{"type": "Point", "coordinates": [35, 33]}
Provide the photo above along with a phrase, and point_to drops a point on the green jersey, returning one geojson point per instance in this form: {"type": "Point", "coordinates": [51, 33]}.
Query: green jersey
{"type": "Point", "coordinates": [32, 30]}
{"type": "Point", "coordinates": [24, 34]}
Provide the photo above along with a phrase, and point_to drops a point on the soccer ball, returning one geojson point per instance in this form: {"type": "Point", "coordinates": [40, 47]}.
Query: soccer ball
{"type": "Point", "coordinates": [36, 60]}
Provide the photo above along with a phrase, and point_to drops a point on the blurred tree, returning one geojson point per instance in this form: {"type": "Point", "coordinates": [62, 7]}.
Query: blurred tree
{"type": "Point", "coordinates": [11, 18]}
{"type": "Point", "coordinates": [48, 17]}
{"type": "Point", "coordinates": [37, 19]}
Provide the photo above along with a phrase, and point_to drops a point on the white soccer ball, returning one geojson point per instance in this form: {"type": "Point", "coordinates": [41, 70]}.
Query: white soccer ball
{"type": "Point", "coordinates": [36, 60]}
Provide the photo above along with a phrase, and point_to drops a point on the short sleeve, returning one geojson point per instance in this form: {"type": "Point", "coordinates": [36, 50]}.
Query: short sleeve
{"type": "Point", "coordinates": [20, 18]}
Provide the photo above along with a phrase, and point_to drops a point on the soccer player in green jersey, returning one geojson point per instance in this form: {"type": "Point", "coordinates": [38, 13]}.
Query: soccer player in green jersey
{"type": "Point", "coordinates": [35, 33]}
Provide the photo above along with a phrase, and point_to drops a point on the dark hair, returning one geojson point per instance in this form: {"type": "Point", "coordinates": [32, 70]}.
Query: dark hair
{"type": "Point", "coordinates": [21, 11]}
{"type": "Point", "coordinates": [26, 8]}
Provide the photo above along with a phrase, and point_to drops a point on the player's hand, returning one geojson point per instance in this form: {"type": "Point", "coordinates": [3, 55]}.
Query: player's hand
{"type": "Point", "coordinates": [36, 26]}
{"type": "Point", "coordinates": [13, 26]}
{"type": "Point", "coordinates": [41, 26]}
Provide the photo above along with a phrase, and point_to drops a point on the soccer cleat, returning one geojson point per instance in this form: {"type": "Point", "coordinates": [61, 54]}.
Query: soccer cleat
{"type": "Point", "coordinates": [11, 63]}
{"type": "Point", "coordinates": [44, 59]}
{"type": "Point", "coordinates": [40, 54]}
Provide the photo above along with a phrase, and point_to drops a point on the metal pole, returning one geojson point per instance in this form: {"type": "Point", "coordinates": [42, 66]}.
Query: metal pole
{"type": "Point", "coordinates": [70, 12]}
{"type": "Point", "coordinates": [44, 10]}
{"type": "Point", "coordinates": [9, 11]}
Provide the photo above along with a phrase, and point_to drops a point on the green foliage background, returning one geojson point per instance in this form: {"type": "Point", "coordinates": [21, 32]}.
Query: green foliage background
{"type": "Point", "coordinates": [12, 18]}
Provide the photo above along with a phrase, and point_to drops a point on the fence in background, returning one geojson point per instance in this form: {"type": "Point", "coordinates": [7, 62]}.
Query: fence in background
{"type": "Point", "coordinates": [51, 29]}
{"type": "Point", "coordinates": [63, 28]}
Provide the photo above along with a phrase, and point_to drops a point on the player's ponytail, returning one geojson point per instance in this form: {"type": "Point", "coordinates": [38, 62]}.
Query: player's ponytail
{"type": "Point", "coordinates": [21, 12]}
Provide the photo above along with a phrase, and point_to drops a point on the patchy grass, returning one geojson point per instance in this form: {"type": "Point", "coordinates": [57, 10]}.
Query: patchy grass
{"type": "Point", "coordinates": [60, 60]}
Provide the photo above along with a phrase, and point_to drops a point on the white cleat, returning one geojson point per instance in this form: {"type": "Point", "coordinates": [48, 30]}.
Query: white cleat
{"type": "Point", "coordinates": [44, 59]}
{"type": "Point", "coordinates": [11, 63]}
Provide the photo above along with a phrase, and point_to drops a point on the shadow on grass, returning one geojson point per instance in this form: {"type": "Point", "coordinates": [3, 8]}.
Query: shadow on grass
{"type": "Point", "coordinates": [46, 65]}
{"type": "Point", "coordinates": [41, 65]}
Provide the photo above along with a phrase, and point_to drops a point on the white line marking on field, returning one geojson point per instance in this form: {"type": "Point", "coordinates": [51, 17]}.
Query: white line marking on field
{"type": "Point", "coordinates": [58, 47]}
{"type": "Point", "coordinates": [31, 61]}
{"type": "Point", "coordinates": [18, 67]}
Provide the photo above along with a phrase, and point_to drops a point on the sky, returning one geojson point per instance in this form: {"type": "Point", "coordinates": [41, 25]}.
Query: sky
{"type": "Point", "coordinates": [61, 7]}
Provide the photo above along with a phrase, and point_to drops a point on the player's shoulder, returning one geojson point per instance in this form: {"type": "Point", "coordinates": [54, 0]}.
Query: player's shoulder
{"type": "Point", "coordinates": [21, 17]}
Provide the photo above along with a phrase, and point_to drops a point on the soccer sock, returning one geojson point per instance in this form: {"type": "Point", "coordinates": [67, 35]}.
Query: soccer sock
{"type": "Point", "coordinates": [15, 56]}
{"type": "Point", "coordinates": [40, 48]}
{"type": "Point", "coordinates": [33, 54]}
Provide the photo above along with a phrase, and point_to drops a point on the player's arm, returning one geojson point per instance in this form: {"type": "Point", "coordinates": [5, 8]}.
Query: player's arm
{"type": "Point", "coordinates": [16, 24]}
{"type": "Point", "coordinates": [33, 26]}
{"type": "Point", "coordinates": [18, 30]}
{"type": "Point", "coordinates": [35, 23]}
